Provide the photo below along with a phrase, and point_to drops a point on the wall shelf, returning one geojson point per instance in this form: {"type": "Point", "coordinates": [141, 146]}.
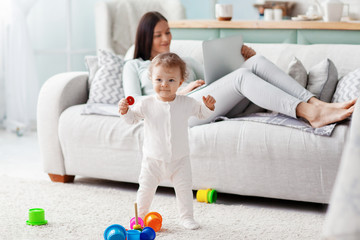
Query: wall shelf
{"type": "Point", "coordinates": [297, 32]}
{"type": "Point", "coordinates": [285, 24]}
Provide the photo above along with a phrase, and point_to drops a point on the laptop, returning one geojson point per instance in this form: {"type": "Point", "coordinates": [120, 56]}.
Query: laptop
{"type": "Point", "coordinates": [221, 57]}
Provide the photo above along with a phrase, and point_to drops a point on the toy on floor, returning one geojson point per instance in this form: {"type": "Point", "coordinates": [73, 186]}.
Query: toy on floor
{"type": "Point", "coordinates": [133, 222]}
{"type": "Point", "coordinates": [137, 226]}
{"type": "Point", "coordinates": [115, 232]}
{"type": "Point", "coordinates": [133, 235]}
{"type": "Point", "coordinates": [153, 220]}
{"type": "Point", "coordinates": [36, 217]}
{"type": "Point", "coordinates": [206, 195]}
{"type": "Point", "coordinates": [147, 234]}
{"type": "Point", "coordinates": [130, 100]}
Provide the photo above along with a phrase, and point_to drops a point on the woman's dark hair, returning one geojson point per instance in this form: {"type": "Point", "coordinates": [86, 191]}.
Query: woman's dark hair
{"type": "Point", "coordinates": [145, 34]}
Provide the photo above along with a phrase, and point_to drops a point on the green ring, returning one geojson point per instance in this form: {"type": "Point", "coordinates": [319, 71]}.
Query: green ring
{"type": "Point", "coordinates": [212, 196]}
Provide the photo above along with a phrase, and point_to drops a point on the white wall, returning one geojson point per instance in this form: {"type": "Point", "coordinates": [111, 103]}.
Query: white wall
{"type": "Point", "coordinates": [63, 31]}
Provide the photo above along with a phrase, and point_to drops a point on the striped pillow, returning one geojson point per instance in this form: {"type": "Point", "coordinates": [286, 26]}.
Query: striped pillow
{"type": "Point", "coordinates": [106, 87]}
{"type": "Point", "coordinates": [348, 87]}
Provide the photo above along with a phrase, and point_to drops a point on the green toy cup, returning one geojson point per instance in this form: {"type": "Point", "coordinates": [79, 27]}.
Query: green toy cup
{"type": "Point", "coordinates": [36, 217]}
{"type": "Point", "coordinates": [206, 195]}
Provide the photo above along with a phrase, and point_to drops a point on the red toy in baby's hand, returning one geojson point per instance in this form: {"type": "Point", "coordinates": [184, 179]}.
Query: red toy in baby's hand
{"type": "Point", "coordinates": [130, 100]}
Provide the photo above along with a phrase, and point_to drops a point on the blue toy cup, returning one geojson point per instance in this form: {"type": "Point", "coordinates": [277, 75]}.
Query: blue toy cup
{"type": "Point", "coordinates": [147, 234]}
{"type": "Point", "coordinates": [133, 235]}
{"type": "Point", "coordinates": [115, 232]}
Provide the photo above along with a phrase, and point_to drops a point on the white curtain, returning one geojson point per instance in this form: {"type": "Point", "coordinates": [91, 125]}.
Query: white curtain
{"type": "Point", "coordinates": [18, 79]}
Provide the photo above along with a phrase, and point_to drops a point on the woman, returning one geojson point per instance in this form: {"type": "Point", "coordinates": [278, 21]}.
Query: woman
{"type": "Point", "coordinates": [258, 80]}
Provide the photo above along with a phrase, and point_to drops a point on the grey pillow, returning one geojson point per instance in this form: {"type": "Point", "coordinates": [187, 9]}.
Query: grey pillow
{"type": "Point", "coordinates": [106, 86]}
{"type": "Point", "coordinates": [348, 87]}
{"type": "Point", "coordinates": [297, 71]}
{"type": "Point", "coordinates": [322, 80]}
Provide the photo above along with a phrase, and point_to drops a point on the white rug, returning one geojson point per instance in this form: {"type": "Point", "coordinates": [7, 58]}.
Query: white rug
{"type": "Point", "coordinates": [84, 209]}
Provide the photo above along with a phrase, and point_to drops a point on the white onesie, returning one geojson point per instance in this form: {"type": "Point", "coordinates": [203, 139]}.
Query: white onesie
{"type": "Point", "coordinates": [166, 148]}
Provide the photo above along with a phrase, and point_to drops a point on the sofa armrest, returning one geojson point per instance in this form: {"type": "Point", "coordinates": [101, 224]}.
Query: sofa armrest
{"type": "Point", "coordinates": [346, 188]}
{"type": "Point", "coordinates": [57, 94]}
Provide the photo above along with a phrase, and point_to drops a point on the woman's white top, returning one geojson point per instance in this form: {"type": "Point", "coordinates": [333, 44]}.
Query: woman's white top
{"type": "Point", "coordinates": [166, 125]}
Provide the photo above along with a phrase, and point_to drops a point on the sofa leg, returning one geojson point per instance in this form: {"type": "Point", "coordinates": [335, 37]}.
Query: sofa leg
{"type": "Point", "coordinates": [61, 178]}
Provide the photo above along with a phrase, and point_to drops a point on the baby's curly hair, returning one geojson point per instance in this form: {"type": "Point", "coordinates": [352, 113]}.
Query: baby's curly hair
{"type": "Point", "coordinates": [169, 60]}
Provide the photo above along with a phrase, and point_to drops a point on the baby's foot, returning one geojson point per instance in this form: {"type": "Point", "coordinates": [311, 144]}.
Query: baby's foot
{"type": "Point", "coordinates": [247, 52]}
{"type": "Point", "coordinates": [190, 223]}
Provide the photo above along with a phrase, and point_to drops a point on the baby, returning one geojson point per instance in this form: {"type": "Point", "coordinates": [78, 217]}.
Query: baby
{"type": "Point", "coordinates": [166, 144]}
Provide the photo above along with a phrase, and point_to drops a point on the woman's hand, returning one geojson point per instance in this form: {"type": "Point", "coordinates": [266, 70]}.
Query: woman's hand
{"type": "Point", "coordinates": [247, 52]}
{"type": "Point", "coordinates": [123, 106]}
{"type": "Point", "coordinates": [191, 86]}
{"type": "Point", "coordinates": [209, 101]}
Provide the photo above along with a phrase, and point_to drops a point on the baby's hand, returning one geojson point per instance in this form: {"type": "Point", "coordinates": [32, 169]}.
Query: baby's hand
{"type": "Point", "coordinates": [247, 52]}
{"type": "Point", "coordinates": [123, 106]}
{"type": "Point", "coordinates": [209, 101]}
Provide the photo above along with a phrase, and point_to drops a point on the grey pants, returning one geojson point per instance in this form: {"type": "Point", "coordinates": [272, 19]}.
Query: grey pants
{"type": "Point", "coordinates": [259, 81]}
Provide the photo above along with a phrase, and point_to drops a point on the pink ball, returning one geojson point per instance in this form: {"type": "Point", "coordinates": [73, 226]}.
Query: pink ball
{"type": "Point", "coordinates": [133, 222]}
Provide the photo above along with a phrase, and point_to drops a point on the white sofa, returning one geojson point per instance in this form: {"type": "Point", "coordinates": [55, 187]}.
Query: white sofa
{"type": "Point", "coordinates": [240, 157]}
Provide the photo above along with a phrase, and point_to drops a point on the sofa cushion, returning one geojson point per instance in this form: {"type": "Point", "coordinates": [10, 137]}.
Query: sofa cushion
{"type": "Point", "coordinates": [110, 145]}
{"type": "Point", "coordinates": [310, 55]}
{"type": "Point", "coordinates": [322, 80]}
{"type": "Point", "coordinates": [348, 87]}
{"type": "Point", "coordinates": [106, 87]}
{"type": "Point", "coordinates": [298, 72]}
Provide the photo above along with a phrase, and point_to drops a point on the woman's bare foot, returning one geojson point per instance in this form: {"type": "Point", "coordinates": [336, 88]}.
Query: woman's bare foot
{"type": "Point", "coordinates": [247, 52]}
{"type": "Point", "coordinates": [319, 116]}
{"type": "Point", "coordinates": [344, 105]}
{"type": "Point", "coordinates": [323, 116]}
